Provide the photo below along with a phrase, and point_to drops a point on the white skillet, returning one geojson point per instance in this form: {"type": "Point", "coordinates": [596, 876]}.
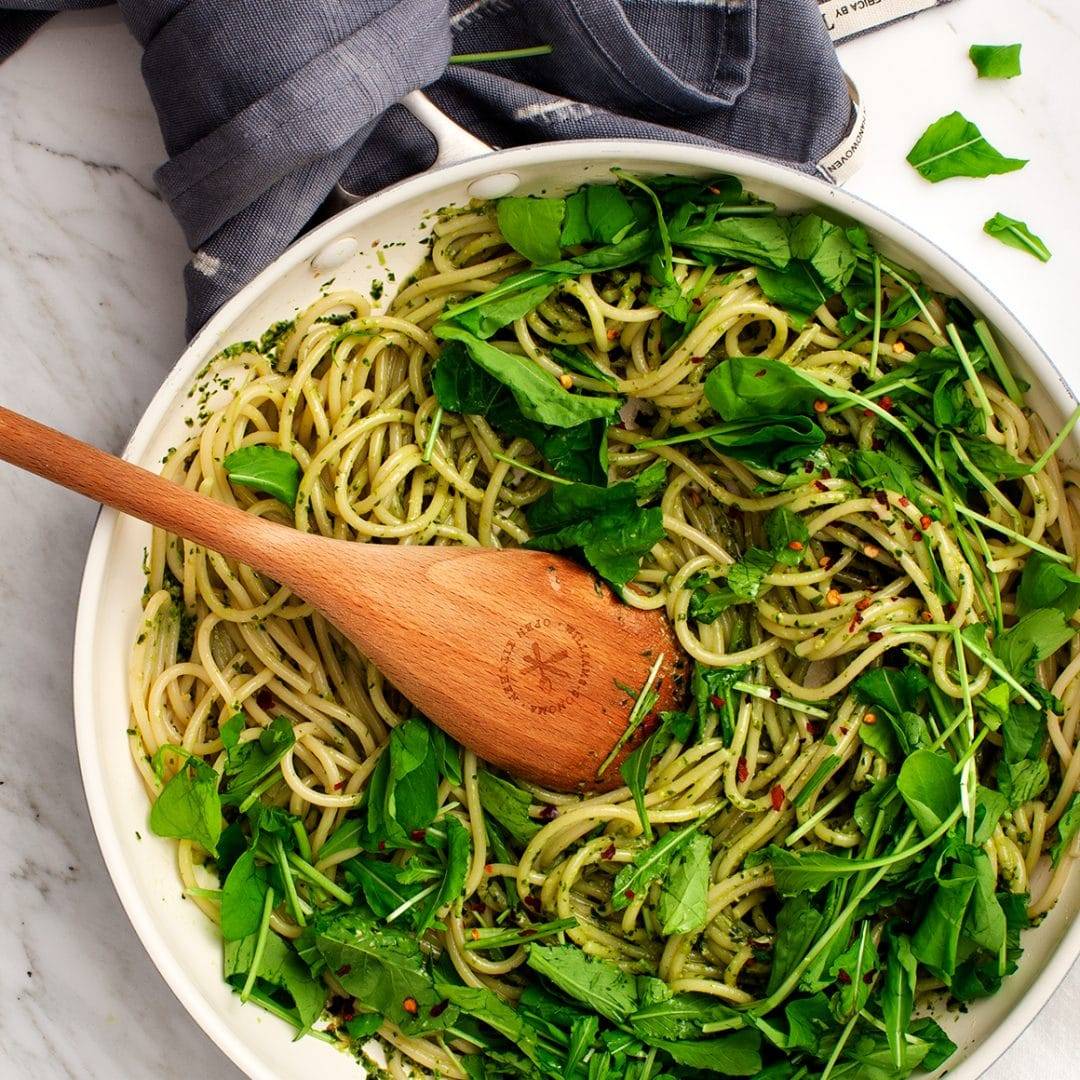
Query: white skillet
{"type": "Point", "coordinates": [181, 941]}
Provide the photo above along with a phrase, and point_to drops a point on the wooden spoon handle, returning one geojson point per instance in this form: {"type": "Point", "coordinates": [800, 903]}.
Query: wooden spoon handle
{"type": "Point", "coordinates": [81, 467]}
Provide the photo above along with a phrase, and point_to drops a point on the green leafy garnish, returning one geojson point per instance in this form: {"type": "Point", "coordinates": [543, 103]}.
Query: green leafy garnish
{"type": "Point", "coordinates": [267, 469]}
{"type": "Point", "coordinates": [996, 61]}
{"type": "Point", "coordinates": [532, 226]}
{"type": "Point", "coordinates": [1016, 234]}
{"type": "Point", "coordinates": [189, 807]}
{"type": "Point", "coordinates": [954, 146]}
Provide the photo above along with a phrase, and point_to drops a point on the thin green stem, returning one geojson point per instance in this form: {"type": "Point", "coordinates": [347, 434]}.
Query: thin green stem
{"type": "Point", "coordinates": [997, 362]}
{"type": "Point", "coordinates": [877, 317]}
{"type": "Point", "coordinates": [260, 944]}
{"type": "Point", "coordinates": [638, 712]}
{"type": "Point", "coordinates": [972, 374]}
{"type": "Point", "coordinates": [529, 469]}
{"type": "Point", "coordinates": [429, 442]}
{"type": "Point", "coordinates": [316, 877]}
{"type": "Point", "coordinates": [291, 895]}
{"type": "Point", "coordinates": [504, 54]}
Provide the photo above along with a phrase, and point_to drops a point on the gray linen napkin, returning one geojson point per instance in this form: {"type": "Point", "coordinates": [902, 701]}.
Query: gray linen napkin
{"type": "Point", "coordinates": [267, 105]}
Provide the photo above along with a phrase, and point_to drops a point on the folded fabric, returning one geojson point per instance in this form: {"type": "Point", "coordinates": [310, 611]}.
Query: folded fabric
{"type": "Point", "coordinates": [267, 105]}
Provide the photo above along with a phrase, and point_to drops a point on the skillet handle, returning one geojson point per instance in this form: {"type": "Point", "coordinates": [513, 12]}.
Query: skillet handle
{"type": "Point", "coordinates": [455, 143]}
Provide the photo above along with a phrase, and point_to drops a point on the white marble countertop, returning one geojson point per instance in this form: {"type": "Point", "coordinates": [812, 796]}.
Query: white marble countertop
{"type": "Point", "coordinates": [92, 312]}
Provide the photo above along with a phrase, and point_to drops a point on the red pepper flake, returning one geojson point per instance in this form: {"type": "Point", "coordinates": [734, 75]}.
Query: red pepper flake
{"type": "Point", "coordinates": [716, 702]}
{"type": "Point", "coordinates": [926, 617]}
{"type": "Point", "coordinates": [821, 406]}
{"type": "Point", "coordinates": [265, 699]}
{"type": "Point", "coordinates": [904, 500]}
{"type": "Point", "coordinates": [795, 545]}
{"type": "Point", "coordinates": [877, 444]}
{"type": "Point", "coordinates": [474, 933]}
{"type": "Point", "coordinates": [813, 728]}
{"type": "Point", "coordinates": [916, 536]}
{"type": "Point", "coordinates": [438, 1008]}
{"type": "Point", "coordinates": [870, 718]}
{"type": "Point", "coordinates": [650, 723]}
{"type": "Point", "coordinates": [950, 609]}
{"type": "Point", "coordinates": [344, 969]}
{"type": "Point", "coordinates": [868, 412]}
{"type": "Point", "coordinates": [487, 868]}
{"type": "Point", "coordinates": [826, 474]}
{"type": "Point", "coordinates": [531, 902]}
{"type": "Point", "coordinates": [382, 845]}
{"type": "Point", "coordinates": [410, 1006]}
{"type": "Point", "coordinates": [339, 785]}
{"type": "Point", "coordinates": [608, 852]}
{"type": "Point", "coordinates": [696, 302]}
{"type": "Point", "coordinates": [824, 562]}
{"type": "Point", "coordinates": [613, 333]}
{"type": "Point", "coordinates": [843, 978]}
{"type": "Point", "coordinates": [863, 604]}
{"type": "Point", "coordinates": [925, 522]}
{"type": "Point", "coordinates": [843, 731]}
{"type": "Point", "coordinates": [886, 403]}
{"type": "Point", "coordinates": [741, 771]}
{"type": "Point", "coordinates": [875, 635]}
{"type": "Point", "coordinates": [808, 467]}
{"type": "Point", "coordinates": [760, 374]}
{"type": "Point", "coordinates": [868, 978]}
{"type": "Point", "coordinates": [629, 894]}
{"type": "Point", "coordinates": [777, 796]}
{"type": "Point", "coordinates": [697, 359]}
{"type": "Point", "coordinates": [820, 486]}
{"type": "Point", "coordinates": [774, 693]}
{"type": "Point", "coordinates": [854, 624]}
{"type": "Point", "coordinates": [881, 498]}
{"type": "Point", "coordinates": [418, 835]}
{"type": "Point", "coordinates": [549, 812]}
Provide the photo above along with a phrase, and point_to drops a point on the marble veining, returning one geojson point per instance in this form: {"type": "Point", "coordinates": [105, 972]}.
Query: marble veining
{"type": "Point", "coordinates": [92, 314]}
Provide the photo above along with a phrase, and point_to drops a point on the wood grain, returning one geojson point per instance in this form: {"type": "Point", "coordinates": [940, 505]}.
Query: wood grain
{"type": "Point", "coordinates": [519, 655]}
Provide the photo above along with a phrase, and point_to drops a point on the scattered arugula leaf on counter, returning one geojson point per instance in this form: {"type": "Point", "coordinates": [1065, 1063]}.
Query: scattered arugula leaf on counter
{"type": "Point", "coordinates": [266, 469]}
{"type": "Point", "coordinates": [954, 146]}
{"type": "Point", "coordinates": [1016, 234]}
{"type": "Point", "coordinates": [996, 61]}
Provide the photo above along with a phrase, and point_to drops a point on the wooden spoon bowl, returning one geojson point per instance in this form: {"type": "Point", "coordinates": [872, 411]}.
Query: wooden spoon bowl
{"type": "Point", "coordinates": [522, 656]}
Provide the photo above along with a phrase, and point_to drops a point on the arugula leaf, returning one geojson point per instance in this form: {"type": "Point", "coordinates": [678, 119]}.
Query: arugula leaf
{"type": "Point", "coordinates": [508, 805]}
{"type": "Point", "coordinates": [666, 1015]}
{"type": "Point", "coordinates": [265, 469]}
{"type": "Point", "coordinates": [936, 941]}
{"type": "Point", "coordinates": [532, 226]}
{"type": "Point", "coordinates": [490, 1009]}
{"type": "Point", "coordinates": [379, 964]}
{"type": "Point", "coordinates": [582, 1039]}
{"type": "Point", "coordinates": [575, 359]}
{"type": "Point", "coordinates": [798, 925]}
{"type": "Point", "coordinates": [797, 289]}
{"type": "Point", "coordinates": [854, 971]}
{"type": "Point", "coordinates": [485, 320]}
{"type": "Point", "coordinates": [242, 898]}
{"type": "Point", "coordinates": [750, 387]}
{"type": "Point", "coordinates": [877, 471]}
{"type": "Point", "coordinates": [996, 61]}
{"type": "Point", "coordinates": [539, 396]}
{"type": "Point", "coordinates": [254, 760]}
{"type": "Point", "coordinates": [613, 532]}
{"type": "Point", "coordinates": [684, 897]}
{"type": "Point", "coordinates": [1016, 234]}
{"type": "Point", "coordinates": [1024, 732]}
{"type": "Point", "coordinates": [1068, 826]}
{"type": "Point", "coordinates": [635, 768]}
{"type": "Point", "coordinates": [895, 695]}
{"type": "Point", "coordinates": [826, 248]}
{"type": "Point", "coordinates": [279, 966]}
{"type": "Point", "coordinates": [898, 991]}
{"type": "Point", "coordinates": [600, 984]}
{"type": "Point", "coordinates": [189, 807]}
{"type": "Point", "coordinates": [929, 787]}
{"type": "Point", "coordinates": [230, 731]}
{"type": "Point", "coordinates": [737, 1054]}
{"type": "Point", "coordinates": [1033, 638]}
{"type": "Point", "coordinates": [395, 809]}
{"type": "Point", "coordinates": [596, 213]}
{"type": "Point", "coordinates": [381, 883]}
{"type": "Point", "coordinates": [1022, 781]}
{"type": "Point", "coordinates": [714, 691]}
{"type": "Point", "coordinates": [954, 146]}
{"type": "Point", "coordinates": [649, 865]}
{"type": "Point", "coordinates": [746, 576]}
{"type": "Point", "coordinates": [784, 529]}
{"type": "Point", "coordinates": [1046, 583]}
{"type": "Point", "coordinates": [761, 240]}
{"type": "Point", "coordinates": [452, 886]}
{"type": "Point", "coordinates": [989, 806]}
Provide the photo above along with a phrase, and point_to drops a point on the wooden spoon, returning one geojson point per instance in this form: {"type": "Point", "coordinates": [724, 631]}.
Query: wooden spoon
{"type": "Point", "coordinates": [521, 656]}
